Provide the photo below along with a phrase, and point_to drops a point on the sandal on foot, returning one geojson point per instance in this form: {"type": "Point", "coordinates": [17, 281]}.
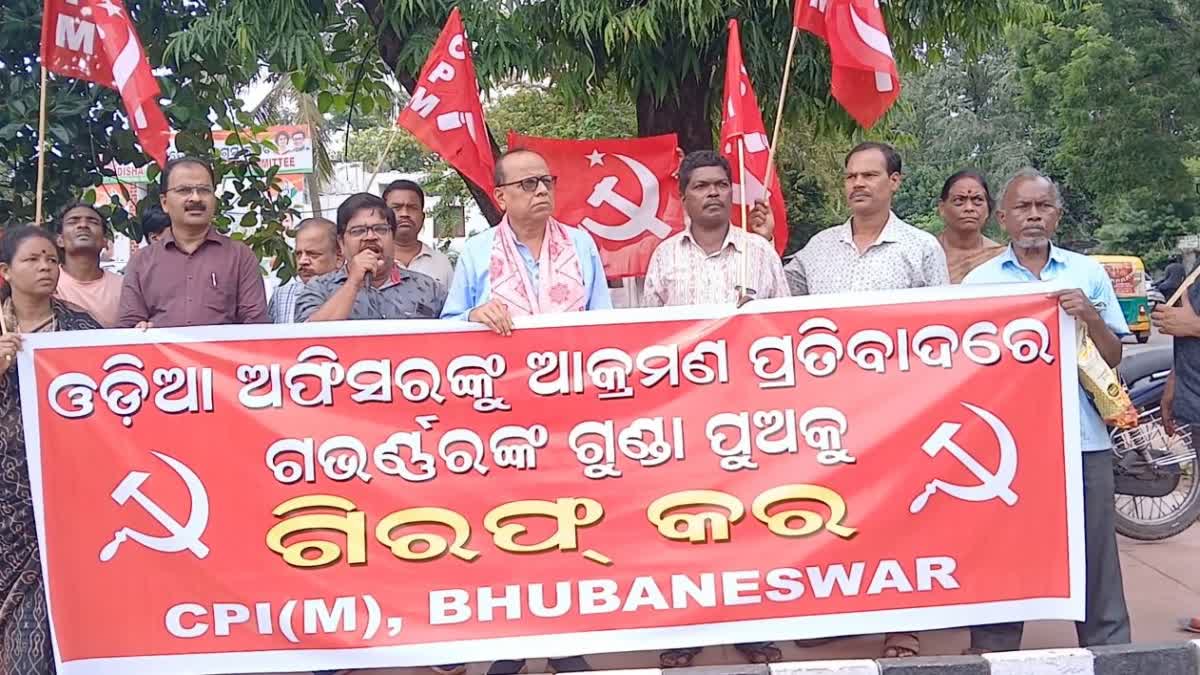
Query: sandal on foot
{"type": "Point", "coordinates": [678, 658]}
{"type": "Point", "coordinates": [759, 652]}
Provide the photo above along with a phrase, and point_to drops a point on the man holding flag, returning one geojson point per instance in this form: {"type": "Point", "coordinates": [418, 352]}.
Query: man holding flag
{"type": "Point", "coordinates": [700, 264]}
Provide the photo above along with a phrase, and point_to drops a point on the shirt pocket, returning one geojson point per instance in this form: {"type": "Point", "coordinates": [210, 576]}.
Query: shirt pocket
{"type": "Point", "coordinates": [221, 300]}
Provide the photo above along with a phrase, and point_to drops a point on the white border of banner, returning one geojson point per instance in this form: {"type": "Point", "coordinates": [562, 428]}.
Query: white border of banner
{"type": "Point", "coordinates": [539, 646]}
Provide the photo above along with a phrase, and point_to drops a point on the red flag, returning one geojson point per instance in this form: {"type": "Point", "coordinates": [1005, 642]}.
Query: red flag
{"type": "Point", "coordinates": [445, 113]}
{"type": "Point", "coordinates": [94, 40]}
{"type": "Point", "coordinates": [865, 80]}
{"type": "Point", "coordinates": [623, 191]}
{"type": "Point", "coordinates": [742, 122]}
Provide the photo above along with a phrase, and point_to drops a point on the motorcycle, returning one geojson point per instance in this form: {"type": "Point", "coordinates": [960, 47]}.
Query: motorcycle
{"type": "Point", "coordinates": [1157, 477]}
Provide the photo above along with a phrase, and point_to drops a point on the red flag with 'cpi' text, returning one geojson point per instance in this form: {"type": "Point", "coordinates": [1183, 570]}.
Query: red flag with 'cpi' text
{"type": "Point", "coordinates": [94, 40]}
{"type": "Point", "coordinates": [865, 80]}
{"type": "Point", "coordinates": [445, 113]}
{"type": "Point", "coordinates": [742, 122]}
{"type": "Point", "coordinates": [623, 191]}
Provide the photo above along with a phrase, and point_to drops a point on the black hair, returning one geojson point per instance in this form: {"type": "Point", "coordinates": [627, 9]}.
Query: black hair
{"type": "Point", "coordinates": [11, 242]}
{"type": "Point", "coordinates": [406, 185]}
{"type": "Point", "coordinates": [62, 215]}
{"type": "Point", "coordinates": [698, 160]}
{"type": "Point", "coordinates": [498, 173]}
{"type": "Point", "coordinates": [973, 175]}
{"type": "Point", "coordinates": [890, 156]}
{"type": "Point", "coordinates": [164, 179]}
{"type": "Point", "coordinates": [154, 221]}
{"type": "Point", "coordinates": [363, 201]}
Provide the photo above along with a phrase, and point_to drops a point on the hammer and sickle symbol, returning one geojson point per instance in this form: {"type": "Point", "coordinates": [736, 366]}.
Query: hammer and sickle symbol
{"type": "Point", "coordinates": [991, 485]}
{"type": "Point", "coordinates": [642, 217]}
{"type": "Point", "coordinates": [184, 537]}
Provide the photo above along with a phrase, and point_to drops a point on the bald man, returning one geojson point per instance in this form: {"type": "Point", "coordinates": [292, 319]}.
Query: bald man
{"type": "Point", "coordinates": [317, 253]}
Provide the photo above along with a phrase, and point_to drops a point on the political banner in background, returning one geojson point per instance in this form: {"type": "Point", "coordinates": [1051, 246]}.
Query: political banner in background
{"type": "Point", "coordinates": [623, 191]}
{"type": "Point", "coordinates": [293, 153]}
{"type": "Point", "coordinates": [368, 494]}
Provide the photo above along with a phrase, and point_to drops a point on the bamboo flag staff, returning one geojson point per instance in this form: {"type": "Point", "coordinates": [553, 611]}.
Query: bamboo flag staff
{"type": "Point", "coordinates": [1183, 288]}
{"type": "Point", "coordinates": [41, 157]}
{"type": "Point", "coordinates": [787, 76]}
{"type": "Point", "coordinates": [744, 272]}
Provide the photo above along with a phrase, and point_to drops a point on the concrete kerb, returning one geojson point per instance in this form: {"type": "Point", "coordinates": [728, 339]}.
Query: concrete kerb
{"type": "Point", "coordinates": [1181, 658]}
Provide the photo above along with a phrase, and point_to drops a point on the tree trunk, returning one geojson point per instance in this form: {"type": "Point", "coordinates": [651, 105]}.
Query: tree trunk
{"type": "Point", "coordinates": [390, 45]}
{"type": "Point", "coordinates": [689, 116]}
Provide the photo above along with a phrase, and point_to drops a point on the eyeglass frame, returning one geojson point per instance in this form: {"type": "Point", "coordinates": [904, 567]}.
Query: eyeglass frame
{"type": "Point", "coordinates": [550, 181]}
{"type": "Point", "coordinates": [188, 190]}
{"type": "Point", "coordinates": [389, 229]}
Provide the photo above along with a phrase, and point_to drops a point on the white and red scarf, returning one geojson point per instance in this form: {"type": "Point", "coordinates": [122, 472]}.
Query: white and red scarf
{"type": "Point", "coordinates": [560, 285]}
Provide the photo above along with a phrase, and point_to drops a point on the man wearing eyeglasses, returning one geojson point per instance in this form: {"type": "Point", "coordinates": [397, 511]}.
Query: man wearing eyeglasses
{"type": "Point", "coordinates": [193, 276]}
{"type": "Point", "coordinates": [529, 263]}
{"type": "Point", "coordinates": [370, 285]}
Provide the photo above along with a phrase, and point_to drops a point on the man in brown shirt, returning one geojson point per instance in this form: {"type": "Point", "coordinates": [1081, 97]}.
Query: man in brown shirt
{"type": "Point", "coordinates": [192, 276]}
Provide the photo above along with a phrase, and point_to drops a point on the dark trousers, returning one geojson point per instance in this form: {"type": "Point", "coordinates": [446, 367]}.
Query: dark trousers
{"type": "Point", "coordinates": [1106, 620]}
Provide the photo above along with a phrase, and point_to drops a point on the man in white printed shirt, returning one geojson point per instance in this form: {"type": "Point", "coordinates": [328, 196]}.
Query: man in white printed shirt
{"type": "Point", "coordinates": [702, 264]}
{"type": "Point", "coordinates": [874, 250]}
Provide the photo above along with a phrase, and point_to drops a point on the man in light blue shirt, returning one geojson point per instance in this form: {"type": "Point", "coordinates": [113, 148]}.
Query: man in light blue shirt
{"type": "Point", "coordinates": [1029, 211]}
{"type": "Point", "coordinates": [529, 263]}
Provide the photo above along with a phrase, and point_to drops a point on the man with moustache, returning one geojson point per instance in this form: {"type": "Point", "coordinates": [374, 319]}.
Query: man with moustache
{"type": "Point", "coordinates": [702, 264]}
{"type": "Point", "coordinates": [317, 253]}
{"type": "Point", "coordinates": [82, 235]}
{"type": "Point", "coordinates": [369, 285]}
{"type": "Point", "coordinates": [1030, 209]}
{"type": "Point", "coordinates": [529, 263]}
{"type": "Point", "coordinates": [406, 199]}
{"type": "Point", "coordinates": [874, 250]}
{"type": "Point", "coordinates": [193, 276]}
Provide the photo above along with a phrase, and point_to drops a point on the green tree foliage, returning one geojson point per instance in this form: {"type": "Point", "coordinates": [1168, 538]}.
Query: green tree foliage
{"type": "Point", "coordinates": [88, 130]}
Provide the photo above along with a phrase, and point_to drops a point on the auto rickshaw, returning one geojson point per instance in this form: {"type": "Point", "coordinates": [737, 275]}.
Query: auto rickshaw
{"type": "Point", "coordinates": [1128, 275]}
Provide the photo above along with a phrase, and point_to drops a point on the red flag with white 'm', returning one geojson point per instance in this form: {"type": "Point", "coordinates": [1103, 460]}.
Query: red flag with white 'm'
{"type": "Point", "coordinates": [445, 112]}
{"type": "Point", "coordinates": [742, 120]}
{"type": "Point", "coordinates": [94, 40]}
{"type": "Point", "coordinates": [623, 191]}
{"type": "Point", "coordinates": [865, 79]}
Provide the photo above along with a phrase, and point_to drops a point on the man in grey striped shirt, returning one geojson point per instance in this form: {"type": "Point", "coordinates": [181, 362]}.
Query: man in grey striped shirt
{"type": "Point", "coordinates": [317, 253]}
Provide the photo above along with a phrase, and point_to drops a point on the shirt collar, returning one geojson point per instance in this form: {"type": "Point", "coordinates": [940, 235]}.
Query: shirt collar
{"type": "Point", "coordinates": [1057, 255]}
{"type": "Point", "coordinates": [889, 234]}
{"type": "Point", "coordinates": [168, 237]}
{"type": "Point", "coordinates": [399, 275]}
{"type": "Point", "coordinates": [733, 237]}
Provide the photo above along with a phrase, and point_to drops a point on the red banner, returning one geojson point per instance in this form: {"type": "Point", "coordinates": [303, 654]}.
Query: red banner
{"type": "Point", "coordinates": [624, 191]}
{"type": "Point", "coordinates": [352, 495]}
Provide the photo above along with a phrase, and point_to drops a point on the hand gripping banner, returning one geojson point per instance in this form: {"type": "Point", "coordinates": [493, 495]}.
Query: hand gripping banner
{"type": "Point", "coordinates": [368, 494]}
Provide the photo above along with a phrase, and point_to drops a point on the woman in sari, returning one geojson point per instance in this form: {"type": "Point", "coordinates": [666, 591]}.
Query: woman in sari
{"type": "Point", "coordinates": [965, 206]}
{"type": "Point", "coordinates": [29, 266]}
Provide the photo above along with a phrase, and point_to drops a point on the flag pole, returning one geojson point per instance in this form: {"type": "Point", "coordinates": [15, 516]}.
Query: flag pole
{"type": "Point", "coordinates": [41, 150]}
{"type": "Point", "coordinates": [787, 76]}
{"type": "Point", "coordinates": [382, 156]}
{"type": "Point", "coordinates": [1183, 288]}
{"type": "Point", "coordinates": [745, 262]}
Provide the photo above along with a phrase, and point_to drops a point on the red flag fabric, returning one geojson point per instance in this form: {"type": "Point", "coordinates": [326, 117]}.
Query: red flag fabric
{"type": "Point", "coordinates": [94, 40]}
{"type": "Point", "coordinates": [445, 113]}
{"type": "Point", "coordinates": [865, 80]}
{"type": "Point", "coordinates": [623, 191]}
{"type": "Point", "coordinates": [742, 121]}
